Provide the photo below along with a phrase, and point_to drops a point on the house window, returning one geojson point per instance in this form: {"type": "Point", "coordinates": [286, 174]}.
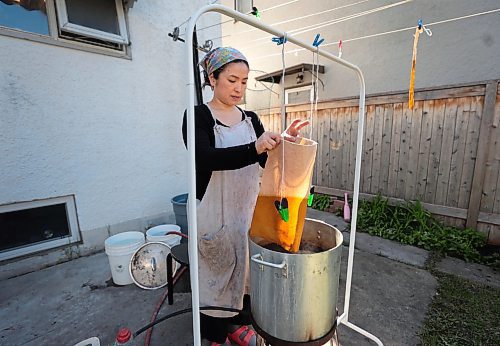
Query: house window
{"type": "Point", "coordinates": [100, 19]}
{"type": "Point", "coordinates": [77, 24]}
{"type": "Point", "coordinates": [29, 227]}
{"type": "Point", "coordinates": [299, 95]}
{"type": "Point", "coordinates": [243, 6]}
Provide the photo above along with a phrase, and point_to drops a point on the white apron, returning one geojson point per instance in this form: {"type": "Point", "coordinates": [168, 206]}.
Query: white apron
{"type": "Point", "coordinates": [224, 218]}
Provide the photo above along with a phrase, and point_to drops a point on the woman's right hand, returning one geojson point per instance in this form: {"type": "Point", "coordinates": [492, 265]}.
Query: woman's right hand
{"type": "Point", "coordinates": [267, 141]}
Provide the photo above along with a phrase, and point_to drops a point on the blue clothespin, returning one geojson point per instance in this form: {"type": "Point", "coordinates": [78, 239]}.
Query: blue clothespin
{"type": "Point", "coordinates": [279, 40]}
{"type": "Point", "coordinates": [422, 26]}
{"type": "Point", "coordinates": [317, 41]}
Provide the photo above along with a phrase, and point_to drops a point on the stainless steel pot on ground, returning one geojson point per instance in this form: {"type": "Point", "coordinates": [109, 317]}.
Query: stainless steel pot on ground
{"type": "Point", "coordinates": [294, 296]}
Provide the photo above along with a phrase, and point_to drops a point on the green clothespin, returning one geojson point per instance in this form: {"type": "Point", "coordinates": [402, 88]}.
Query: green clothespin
{"type": "Point", "coordinates": [311, 197]}
{"type": "Point", "coordinates": [282, 208]}
{"type": "Point", "coordinates": [255, 12]}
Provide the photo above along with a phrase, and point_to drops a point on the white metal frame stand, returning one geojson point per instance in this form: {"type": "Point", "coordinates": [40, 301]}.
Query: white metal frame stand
{"type": "Point", "coordinates": [193, 241]}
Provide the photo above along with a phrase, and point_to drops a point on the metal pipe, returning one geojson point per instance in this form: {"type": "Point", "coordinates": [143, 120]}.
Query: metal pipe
{"type": "Point", "coordinates": [193, 241]}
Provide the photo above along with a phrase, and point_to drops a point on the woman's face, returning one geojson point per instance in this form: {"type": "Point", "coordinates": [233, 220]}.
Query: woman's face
{"type": "Point", "coordinates": [230, 87]}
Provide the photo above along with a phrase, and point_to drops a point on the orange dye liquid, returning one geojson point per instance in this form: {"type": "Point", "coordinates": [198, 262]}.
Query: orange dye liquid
{"type": "Point", "coordinates": [268, 224]}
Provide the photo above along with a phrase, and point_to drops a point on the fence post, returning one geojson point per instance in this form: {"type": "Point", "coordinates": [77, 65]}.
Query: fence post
{"type": "Point", "coordinates": [487, 117]}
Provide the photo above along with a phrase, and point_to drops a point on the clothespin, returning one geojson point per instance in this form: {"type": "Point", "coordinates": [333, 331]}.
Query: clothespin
{"type": "Point", "coordinates": [282, 208]}
{"type": "Point", "coordinates": [421, 27]}
{"type": "Point", "coordinates": [255, 12]}
{"type": "Point", "coordinates": [279, 40]}
{"type": "Point", "coordinates": [175, 35]}
{"type": "Point", "coordinates": [317, 41]}
{"type": "Point", "coordinates": [340, 49]}
{"type": "Point", "coordinates": [311, 197]}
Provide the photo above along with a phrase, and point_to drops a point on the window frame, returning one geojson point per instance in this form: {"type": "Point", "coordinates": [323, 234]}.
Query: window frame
{"type": "Point", "coordinates": [72, 220]}
{"type": "Point", "coordinates": [297, 89]}
{"type": "Point", "coordinates": [55, 40]}
{"type": "Point", "coordinates": [64, 23]}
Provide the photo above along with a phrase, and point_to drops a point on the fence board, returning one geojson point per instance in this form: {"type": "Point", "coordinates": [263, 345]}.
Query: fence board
{"type": "Point", "coordinates": [424, 148]}
{"type": "Point", "coordinates": [411, 176]}
{"type": "Point", "coordinates": [324, 152]}
{"type": "Point", "coordinates": [492, 168]}
{"type": "Point", "coordinates": [335, 158]}
{"type": "Point", "coordinates": [366, 171]}
{"type": "Point", "coordinates": [340, 149]}
{"type": "Point", "coordinates": [395, 143]}
{"type": "Point", "coordinates": [470, 152]}
{"type": "Point", "coordinates": [377, 149]}
{"type": "Point", "coordinates": [496, 206]}
{"type": "Point", "coordinates": [450, 115]}
{"type": "Point", "coordinates": [386, 149]}
{"type": "Point", "coordinates": [404, 148]}
{"type": "Point", "coordinates": [346, 147]}
{"type": "Point", "coordinates": [435, 151]}
{"type": "Point", "coordinates": [458, 152]}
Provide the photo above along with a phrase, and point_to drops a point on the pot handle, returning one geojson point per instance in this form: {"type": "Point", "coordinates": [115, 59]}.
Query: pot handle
{"type": "Point", "coordinates": [257, 258]}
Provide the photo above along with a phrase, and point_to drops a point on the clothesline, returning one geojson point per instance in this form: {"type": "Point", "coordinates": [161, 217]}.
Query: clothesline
{"type": "Point", "coordinates": [231, 20]}
{"type": "Point", "coordinates": [385, 33]}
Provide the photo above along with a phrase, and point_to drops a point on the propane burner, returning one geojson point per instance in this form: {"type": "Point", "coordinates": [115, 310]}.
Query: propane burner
{"type": "Point", "coordinates": [330, 338]}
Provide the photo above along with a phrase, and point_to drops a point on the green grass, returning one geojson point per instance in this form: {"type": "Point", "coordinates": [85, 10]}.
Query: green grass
{"type": "Point", "coordinates": [321, 202]}
{"type": "Point", "coordinates": [410, 223]}
{"type": "Point", "coordinates": [462, 313]}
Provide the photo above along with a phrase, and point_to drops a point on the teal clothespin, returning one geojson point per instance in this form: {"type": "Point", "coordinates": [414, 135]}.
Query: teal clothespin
{"type": "Point", "coordinates": [311, 197]}
{"type": "Point", "coordinates": [279, 40]}
{"type": "Point", "coordinates": [282, 208]}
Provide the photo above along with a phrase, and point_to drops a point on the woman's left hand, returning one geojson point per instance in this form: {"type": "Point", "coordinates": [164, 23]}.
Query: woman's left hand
{"type": "Point", "coordinates": [293, 130]}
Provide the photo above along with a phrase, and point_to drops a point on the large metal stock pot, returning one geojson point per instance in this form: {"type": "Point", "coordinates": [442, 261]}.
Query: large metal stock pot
{"type": "Point", "coordinates": [294, 296]}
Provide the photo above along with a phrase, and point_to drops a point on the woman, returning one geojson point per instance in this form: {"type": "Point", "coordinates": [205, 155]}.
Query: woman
{"type": "Point", "coordinates": [230, 145]}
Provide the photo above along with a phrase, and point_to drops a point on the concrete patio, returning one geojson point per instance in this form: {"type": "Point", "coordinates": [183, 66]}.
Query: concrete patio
{"type": "Point", "coordinates": [72, 301]}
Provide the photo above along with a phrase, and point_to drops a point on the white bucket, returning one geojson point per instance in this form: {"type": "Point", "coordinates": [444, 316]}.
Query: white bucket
{"type": "Point", "coordinates": [159, 234]}
{"type": "Point", "coordinates": [120, 249]}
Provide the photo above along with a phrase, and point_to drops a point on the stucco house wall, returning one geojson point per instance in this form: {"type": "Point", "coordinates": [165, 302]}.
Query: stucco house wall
{"type": "Point", "coordinates": [104, 129]}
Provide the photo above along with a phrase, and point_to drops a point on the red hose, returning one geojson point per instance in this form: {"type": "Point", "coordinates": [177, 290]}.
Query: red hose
{"type": "Point", "coordinates": [147, 339]}
{"type": "Point", "coordinates": [177, 233]}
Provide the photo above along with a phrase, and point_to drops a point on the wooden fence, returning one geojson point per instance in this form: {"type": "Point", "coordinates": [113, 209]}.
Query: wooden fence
{"type": "Point", "coordinates": [445, 152]}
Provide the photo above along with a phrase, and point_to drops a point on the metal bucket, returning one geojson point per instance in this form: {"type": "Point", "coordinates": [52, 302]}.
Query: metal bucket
{"type": "Point", "coordinates": [294, 296]}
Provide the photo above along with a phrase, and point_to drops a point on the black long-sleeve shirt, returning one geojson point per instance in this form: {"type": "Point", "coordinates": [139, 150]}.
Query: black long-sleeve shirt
{"type": "Point", "coordinates": [209, 158]}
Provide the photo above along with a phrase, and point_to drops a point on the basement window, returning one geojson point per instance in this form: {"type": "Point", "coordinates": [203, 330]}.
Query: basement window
{"type": "Point", "coordinates": [29, 227]}
{"type": "Point", "coordinates": [93, 25]}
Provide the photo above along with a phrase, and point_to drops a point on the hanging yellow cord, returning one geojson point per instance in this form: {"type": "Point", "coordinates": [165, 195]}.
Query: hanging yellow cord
{"type": "Point", "coordinates": [411, 98]}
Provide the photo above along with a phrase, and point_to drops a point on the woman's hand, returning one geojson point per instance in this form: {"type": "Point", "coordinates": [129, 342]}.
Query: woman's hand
{"type": "Point", "coordinates": [267, 141]}
{"type": "Point", "coordinates": [293, 131]}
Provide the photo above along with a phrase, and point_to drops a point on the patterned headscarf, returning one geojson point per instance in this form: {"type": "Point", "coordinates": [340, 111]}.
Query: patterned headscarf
{"type": "Point", "coordinates": [219, 57]}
